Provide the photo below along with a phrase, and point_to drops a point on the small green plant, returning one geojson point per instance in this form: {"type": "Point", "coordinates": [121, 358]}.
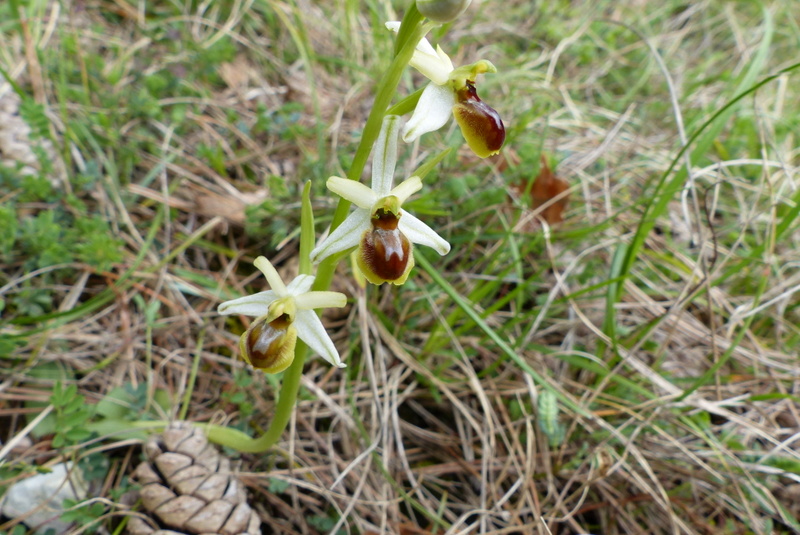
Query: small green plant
{"type": "Point", "coordinates": [278, 486]}
{"type": "Point", "coordinates": [549, 418]}
{"type": "Point", "coordinates": [325, 523]}
{"type": "Point", "coordinates": [71, 415]}
{"type": "Point", "coordinates": [241, 379]}
{"type": "Point", "coordinates": [84, 514]}
{"type": "Point", "coordinates": [94, 466]}
{"type": "Point", "coordinates": [34, 239]}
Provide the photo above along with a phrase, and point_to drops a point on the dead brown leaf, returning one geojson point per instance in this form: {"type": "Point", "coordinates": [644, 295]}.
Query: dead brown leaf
{"type": "Point", "coordinates": [236, 74]}
{"type": "Point", "coordinates": [549, 190]}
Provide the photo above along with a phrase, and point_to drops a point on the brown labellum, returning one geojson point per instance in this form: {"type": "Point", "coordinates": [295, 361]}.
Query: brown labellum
{"type": "Point", "coordinates": [385, 251]}
{"type": "Point", "coordinates": [269, 346]}
{"type": "Point", "coordinates": [480, 124]}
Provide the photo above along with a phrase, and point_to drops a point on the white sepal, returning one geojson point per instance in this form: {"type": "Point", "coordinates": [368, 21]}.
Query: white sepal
{"type": "Point", "coordinates": [418, 232]}
{"type": "Point", "coordinates": [384, 159]}
{"type": "Point", "coordinates": [249, 305]}
{"type": "Point", "coordinates": [355, 192]}
{"type": "Point", "coordinates": [300, 285]}
{"type": "Point", "coordinates": [346, 236]}
{"type": "Point", "coordinates": [310, 330]}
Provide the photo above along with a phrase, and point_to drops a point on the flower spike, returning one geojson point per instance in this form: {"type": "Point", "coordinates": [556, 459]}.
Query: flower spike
{"type": "Point", "coordinates": [382, 231]}
{"type": "Point", "coordinates": [452, 93]}
{"type": "Point", "coordinates": [283, 314]}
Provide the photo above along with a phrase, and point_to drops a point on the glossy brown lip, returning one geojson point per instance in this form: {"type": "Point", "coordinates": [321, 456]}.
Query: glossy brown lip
{"type": "Point", "coordinates": [385, 250]}
{"type": "Point", "coordinates": [266, 341]}
{"type": "Point", "coordinates": [481, 124]}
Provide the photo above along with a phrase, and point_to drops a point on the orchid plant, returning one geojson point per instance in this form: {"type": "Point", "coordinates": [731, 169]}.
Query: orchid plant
{"type": "Point", "coordinates": [379, 230]}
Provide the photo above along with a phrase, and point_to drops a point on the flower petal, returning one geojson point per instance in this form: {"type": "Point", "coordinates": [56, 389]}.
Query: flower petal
{"type": "Point", "coordinates": [432, 112]}
{"type": "Point", "coordinates": [311, 300]}
{"type": "Point", "coordinates": [310, 330]}
{"type": "Point", "coordinates": [434, 65]}
{"type": "Point", "coordinates": [300, 285]}
{"type": "Point", "coordinates": [269, 271]}
{"type": "Point", "coordinates": [407, 188]}
{"type": "Point", "coordinates": [346, 235]}
{"type": "Point", "coordinates": [423, 47]}
{"type": "Point", "coordinates": [249, 305]}
{"type": "Point", "coordinates": [385, 157]}
{"type": "Point", "coordinates": [418, 232]}
{"type": "Point", "coordinates": [355, 192]}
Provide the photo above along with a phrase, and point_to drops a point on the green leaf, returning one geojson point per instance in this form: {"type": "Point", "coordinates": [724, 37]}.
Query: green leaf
{"type": "Point", "coordinates": [77, 435]}
{"type": "Point", "coordinates": [423, 170]}
{"type": "Point", "coordinates": [278, 486]}
{"type": "Point", "coordinates": [306, 230]}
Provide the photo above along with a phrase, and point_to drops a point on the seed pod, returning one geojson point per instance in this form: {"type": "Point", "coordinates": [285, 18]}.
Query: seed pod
{"type": "Point", "coordinates": [188, 488]}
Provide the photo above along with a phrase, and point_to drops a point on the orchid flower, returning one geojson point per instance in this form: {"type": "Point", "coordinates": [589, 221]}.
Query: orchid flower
{"type": "Point", "coordinates": [283, 313]}
{"type": "Point", "coordinates": [383, 232]}
{"type": "Point", "coordinates": [452, 92]}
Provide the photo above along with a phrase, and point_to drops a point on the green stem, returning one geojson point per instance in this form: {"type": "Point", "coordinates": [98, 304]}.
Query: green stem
{"type": "Point", "coordinates": [283, 413]}
{"type": "Point", "coordinates": [187, 396]}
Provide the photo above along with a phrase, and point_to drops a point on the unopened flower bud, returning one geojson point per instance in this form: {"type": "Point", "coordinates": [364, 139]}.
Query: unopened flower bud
{"type": "Point", "coordinates": [385, 254]}
{"type": "Point", "coordinates": [480, 123]}
{"type": "Point", "coordinates": [269, 345]}
{"type": "Point", "coordinates": [442, 11]}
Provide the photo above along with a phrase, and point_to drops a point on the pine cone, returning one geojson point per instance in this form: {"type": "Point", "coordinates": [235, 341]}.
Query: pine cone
{"type": "Point", "coordinates": [188, 488]}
